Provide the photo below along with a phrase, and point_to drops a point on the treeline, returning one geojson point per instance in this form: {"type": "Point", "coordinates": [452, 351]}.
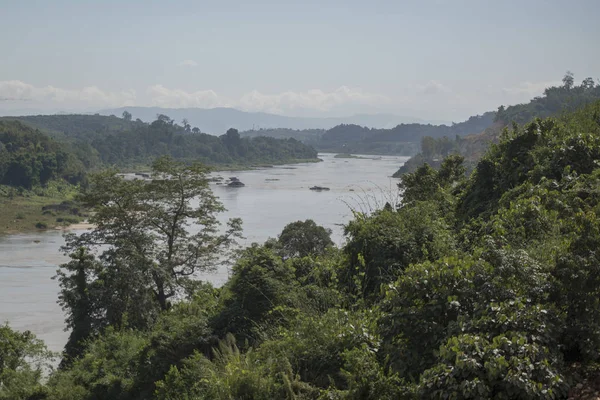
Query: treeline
{"type": "Point", "coordinates": [556, 100]}
{"type": "Point", "coordinates": [473, 287]}
{"type": "Point", "coordinates": [28, 158]}
{"type": "Point", "coordinates": [98, 142]}
{"type": "Point", "coordinates": [401, 140]}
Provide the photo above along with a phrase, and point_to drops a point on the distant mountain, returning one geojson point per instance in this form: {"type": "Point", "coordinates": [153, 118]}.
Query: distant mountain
{"type": "Point", "coordinates": [216, 121]}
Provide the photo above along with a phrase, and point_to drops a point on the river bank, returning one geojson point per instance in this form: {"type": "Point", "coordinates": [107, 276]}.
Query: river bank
{"type": "Point", "coordinates": [28, 212]}
{"type": "Point", "coordinates": [272, 198]}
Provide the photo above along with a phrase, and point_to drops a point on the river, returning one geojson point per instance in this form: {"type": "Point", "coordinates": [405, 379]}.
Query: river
{"type": "Point", "coordinates": [272, 198]}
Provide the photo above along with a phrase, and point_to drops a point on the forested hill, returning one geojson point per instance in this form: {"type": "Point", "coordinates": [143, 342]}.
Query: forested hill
{"type": "Point", "coordinates": [556, 101]}
{"type": "Point", "coordinates": [99, 141]}
{"type": "Point", "coordinates": [403, 139]}
{"type": "Point", "coordinates": [29, 158]}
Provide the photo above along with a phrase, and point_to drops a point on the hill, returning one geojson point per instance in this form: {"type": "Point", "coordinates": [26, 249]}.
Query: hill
{"type": "Point", "coordinates": [218, 120]}
{"type": "Point", "coordinates": [107, 140]}
{"type": "Point", "coordinates": [403, 139]}
{"type": "Point", "coordinates": [555, 101]}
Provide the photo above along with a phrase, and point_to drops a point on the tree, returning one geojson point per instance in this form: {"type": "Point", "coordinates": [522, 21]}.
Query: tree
{"type": "Point", "coordinates": [23, 359]}
{"type": "Point", "coordinates": [164, 118]}
{"type": "Point", "coordinates": [186, 125]}
{"type": "Point", "coordinates": [127, 115]}
{"type": "Point", "coordinates": [231, 139]}
{"type": "Point", "coordinates": [77, 300]}
{"type": "Point", "coordinates": [304, 238]}
{"type": "Point", "coordinates": [568, 80]}
{"type": "Point", "coordinates": [428, 146]}
{"type": "Point", "coordinates": [588, 83]}
{"type": "Point", "coordinates": [381, 246]}
{"type": "Point", "coordinates": [150, 255]}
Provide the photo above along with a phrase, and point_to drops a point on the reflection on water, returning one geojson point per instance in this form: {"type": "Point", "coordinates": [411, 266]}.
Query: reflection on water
{"type": "Point", "coordinates": [27, 262]}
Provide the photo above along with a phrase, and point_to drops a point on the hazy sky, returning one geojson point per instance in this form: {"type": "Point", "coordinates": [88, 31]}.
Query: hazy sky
{"type": "Point", "coordinates": [441, 60]}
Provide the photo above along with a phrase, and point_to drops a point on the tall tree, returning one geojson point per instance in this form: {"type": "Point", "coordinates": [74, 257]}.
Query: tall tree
{"type": "Point", "coordinates": [152, 236]}
{"type": "Point", "coordinates": [77, 300]}
{"type": "Point", "coordinates": [568, 80]}
{"type": "Point", "coordinates": [303, 238]}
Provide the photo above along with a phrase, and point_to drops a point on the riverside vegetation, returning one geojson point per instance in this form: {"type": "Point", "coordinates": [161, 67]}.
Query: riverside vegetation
{"type": "Point", "coordinates": [474, 287]}
{"type": "Point", "coordinates": [44, 160]}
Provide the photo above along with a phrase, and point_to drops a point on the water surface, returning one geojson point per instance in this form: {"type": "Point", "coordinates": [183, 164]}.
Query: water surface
{"type": "Point", "coordinates": [272, 198]}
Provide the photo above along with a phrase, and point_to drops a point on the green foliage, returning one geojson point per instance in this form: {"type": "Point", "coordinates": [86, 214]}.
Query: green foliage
{"type": "Point", "coordinates": [151, 253]}
{"type": "Point", "coordinates": [402, 139]}
{"type": "Point", "coordinates": [301, 239]}
{"type": "Point", "coordinates": [422, 307]}
{"type": "Point", "coordinates": [260, 285]}
{"type": "Point", "coordinates": [314, 344]}
{"type": "Point", "coordinates": [29, 158]}
{"type": "Point", "coordinates": [381, 246]}
{"type": "Point", "coordinates": [111, 141]}
{"type": "Point", "coordinates": [107, 370]}
{"type": "Point", "coordinates": [508, 366]}
{"type": "Point", "coordinates": [78, 298]}
{"type": "Point", "coordinates": [367, 379]}
{"type": "Point", "coordinates": [479, 287]}
{"type": "Point", "coordinates": [556, 99]}
{"type": "Point", "coordinates": [232, 375]}
{"type": "Point", "coordinates": [23, 360]}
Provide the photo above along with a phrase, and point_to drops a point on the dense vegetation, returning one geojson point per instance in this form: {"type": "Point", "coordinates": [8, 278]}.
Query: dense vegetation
{"type": "Point", "coordinates": [556, 100]}
{"type": "Point", "coordinates": [45, 158]}
{"type": "Point", "coordinates": [400, 140]}
{"type": "Point", "coordinates": [29, 158]}
{"type": "Point", "coordinates": [478, 287]}
{"type": "Point", "coordinates": [99, 141]}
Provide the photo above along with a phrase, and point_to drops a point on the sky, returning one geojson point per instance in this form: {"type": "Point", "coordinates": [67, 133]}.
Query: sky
{"type": "Point", "coordinates": [435, 60]}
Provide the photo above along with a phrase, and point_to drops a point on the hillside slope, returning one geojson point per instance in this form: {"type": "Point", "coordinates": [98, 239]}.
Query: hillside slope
{"type": "Point", "coordinates": [556, 101]}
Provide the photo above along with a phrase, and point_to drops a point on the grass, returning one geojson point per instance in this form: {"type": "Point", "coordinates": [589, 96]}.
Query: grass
{"type": "Point", "coordinates": [21, 210]}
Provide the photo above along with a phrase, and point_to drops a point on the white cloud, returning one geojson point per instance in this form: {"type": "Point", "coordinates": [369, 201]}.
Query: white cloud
{"type": "Point", "coordinates": [88, 96]}
{"type": "Point", "coordinates": [343, 100]}
{"type": "Point", "coordinates": [315, 99]}
{"type": "Point", "coordinates": [433, 87]}
{"type": "Point", "coordinates": [188, 63]}
{"type": "Point", "coordinates": [279, 103]}
{"type": "Point", "coordinates": [530, 89]}
{"type": "Point", "coordinates": [160, 96]}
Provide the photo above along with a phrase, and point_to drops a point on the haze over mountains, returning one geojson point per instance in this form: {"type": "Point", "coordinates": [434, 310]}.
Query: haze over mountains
{"type": "Point", "coordinates": [217, 120]}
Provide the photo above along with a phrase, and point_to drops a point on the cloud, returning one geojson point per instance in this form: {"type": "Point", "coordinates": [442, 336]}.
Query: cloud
{"type": "Point", "coordinates": [279, 103]}
{"type": "Point", "coordinates": [316, 99]}
{"type": "Point", "coordinates": [160, 96]}
{"type": "Point", "coordinates": [530, 89]}
{"type": "Point", "coordinates": [88, 96]}
{"type": "Point", "coordinates": [433, 87]}
{"type": "Point", "coordinates": [288, 102]}
{"type": "Point", "coordinates": [188, 63]}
